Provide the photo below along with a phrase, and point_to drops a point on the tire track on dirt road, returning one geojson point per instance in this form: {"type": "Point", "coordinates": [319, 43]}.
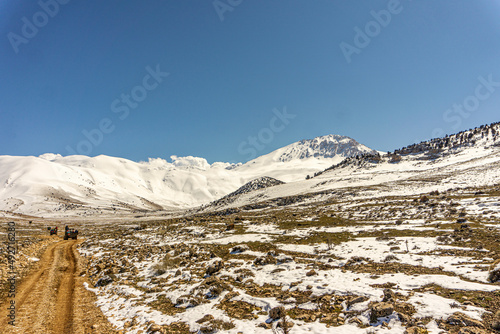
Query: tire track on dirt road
{"type": "Point", "coordinates": [52, 299]}
{"type": "Point", "coordinates": [65, 294]}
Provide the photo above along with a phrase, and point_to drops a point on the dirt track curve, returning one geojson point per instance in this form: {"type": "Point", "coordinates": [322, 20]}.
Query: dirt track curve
{"type": "Point", "coordinates": [52, 298]}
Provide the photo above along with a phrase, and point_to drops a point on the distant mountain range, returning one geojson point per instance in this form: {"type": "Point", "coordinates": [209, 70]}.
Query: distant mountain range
{"type": "Point", "coordinates": [79, 186]}
{"type": "Point", "coordinates": [53, 185]}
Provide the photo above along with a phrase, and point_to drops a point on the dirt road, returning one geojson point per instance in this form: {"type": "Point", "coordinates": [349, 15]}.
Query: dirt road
{"type": "Point", "coordinates": [52, 298]}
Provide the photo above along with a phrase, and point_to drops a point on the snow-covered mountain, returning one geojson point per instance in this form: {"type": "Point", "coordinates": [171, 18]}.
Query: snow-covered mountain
{"type": "Point", "coordinates": [293, 162]}
{"type": "Point", "coordinates": [330, 146]}
{"type": "Point", "coordinates": [54, 185]}
{"type": "Point", "coordinates": [467, 159]}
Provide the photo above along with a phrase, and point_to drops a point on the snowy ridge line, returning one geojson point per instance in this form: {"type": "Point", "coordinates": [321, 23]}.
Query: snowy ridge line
{"type": "Point", "coordinates": [485, 135]}
{"type": "Point", "coordinates": [54, 186]}
{"type": "Point", "coordinates": [79, 186]}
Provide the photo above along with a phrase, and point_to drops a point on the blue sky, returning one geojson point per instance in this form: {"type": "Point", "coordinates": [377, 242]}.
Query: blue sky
{"type": "Point", "coordinates": [90, 76]}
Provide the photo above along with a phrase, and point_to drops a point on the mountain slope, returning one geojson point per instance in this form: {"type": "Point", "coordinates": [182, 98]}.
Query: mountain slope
{"type": "Point", "coordinates": [466, 159]}
{"type": "Point", "coordinates": [485, 136]}
{"type": "Point", "coordinates": [78, 182]}
{"type": "Point", "coordinates": [293, 162]}
{"type": "Point", "coordinates": [256, 184]}
{"type": "Point", "coordinates": [80, 185]}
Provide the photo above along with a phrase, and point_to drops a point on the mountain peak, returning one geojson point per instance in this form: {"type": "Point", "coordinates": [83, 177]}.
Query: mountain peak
{"type": "Point", "coordinates": [328, 146]}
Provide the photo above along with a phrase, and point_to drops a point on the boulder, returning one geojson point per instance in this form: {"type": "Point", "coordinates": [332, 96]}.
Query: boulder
{"type": "Point", "coordinates": [311, 273]}
{"type": "Point", "coordinates": [154, 329]}
{"type": "Point", "coordinates": [416, 330]}
{"type": "Point", "coordinates": [214, 268]}
{"type": "Point", "coordinates": [277, 312]}
{"type": "Point", "coordinates": [379, 310]}
{"type": "Point", "coordinates": [265, 325]}
{"type": "Point", "coordinates": [262, 261]}
{"type": "Point", "coordinates": [354, 300]}
{"type": "Point", "coordinates": [206, 317]}
{"type": "Point", "coordinates": [461, 319]}
{"type": "Point", "coordinates": [389, 296]}
{"type": "Point", "coordinates": [239, 249]}
{"type": "Point", "coordinates": [103, 281]}
{"type": "Point", "coordinates": [404, 317]}
{"type": "Point", "coordinates": [494, 275]}
{"type": "Point", "coordinates": [356, 321]}
{"type": "Point", "coordinates": [208, 329]}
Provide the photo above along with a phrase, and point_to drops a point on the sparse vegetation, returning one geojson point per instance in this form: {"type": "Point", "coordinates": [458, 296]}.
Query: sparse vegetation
{"type": "Point", "coordinates": [314, 259]}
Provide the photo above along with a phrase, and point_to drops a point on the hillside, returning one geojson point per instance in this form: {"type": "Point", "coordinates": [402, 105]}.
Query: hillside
{"type": "Point", "coordinates": [468, 158]}
{"type": "Point", "coordinates": [484, 136]}
{"type": "Point", "coordinates": [52, 185]}
{"type": "Point", "coordinates": [259, 183]}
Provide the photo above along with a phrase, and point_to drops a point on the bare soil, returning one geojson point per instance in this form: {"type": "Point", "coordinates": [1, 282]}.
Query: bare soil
{"type": "Point", "coordinates": [53, 299]}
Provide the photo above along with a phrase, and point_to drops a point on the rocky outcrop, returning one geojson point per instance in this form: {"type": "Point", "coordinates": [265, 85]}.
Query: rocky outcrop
{"type": "Point", "coordinates": [259, 183]}
{"type": "Point", "coordinates": [379, 310]}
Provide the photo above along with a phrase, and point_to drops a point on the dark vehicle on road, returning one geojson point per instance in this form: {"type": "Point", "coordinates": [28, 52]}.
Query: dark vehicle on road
{"type": "Point", "coordinates": [53, 231]}
{"type": "Point", "coordinates": [70, 233]}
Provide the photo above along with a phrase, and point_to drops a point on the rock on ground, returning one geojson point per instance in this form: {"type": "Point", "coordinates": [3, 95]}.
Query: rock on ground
{"type": "Point", "coordinates": [379, 310]}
